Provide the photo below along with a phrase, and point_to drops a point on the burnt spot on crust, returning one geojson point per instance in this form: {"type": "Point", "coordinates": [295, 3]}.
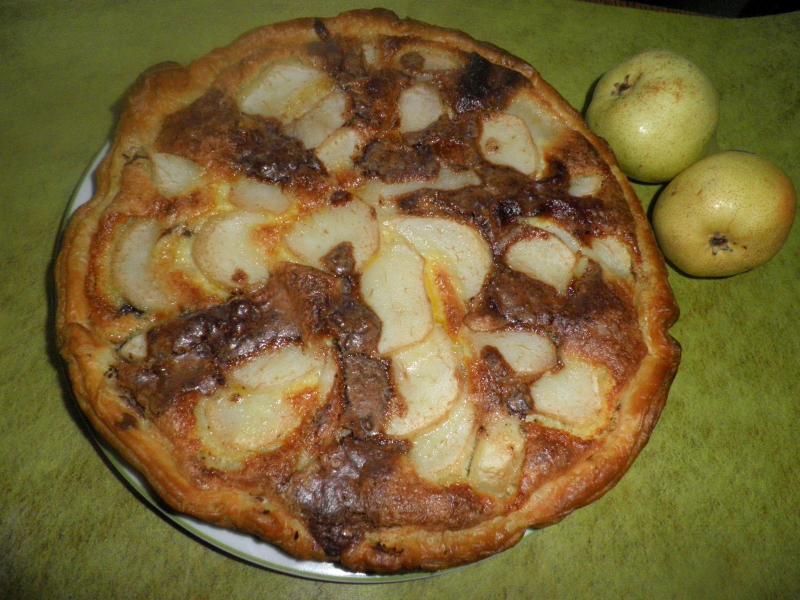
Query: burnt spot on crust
{"type": "Point", "coordinates": [356, 327]}
{"type": "Point", "coordinates": [190, 354]}
{"type": "Point", "coordinates": [395, 163]}
{"type": "Point", "coordinates": [212, 130]}
{"type": "Point", "coordinates": [506, 195]}
{"type": "Point", "coordinates": [128, 309]}
{"type": "Point", "coordinates": [339, 198]}
{"type": "Point", "coordinates": [361, 484]}
{"type": "Point", "coordinates": [374, 99]}
{"type": "Point", "coordinates": [454, 141]}
{"type": "Point", "coordinates": [519, 300]}
{"type": "Point", "coordinates": [412, 61]}
{"type": "Point", "coordinates": [265, 153]}
{"type": "Point", "coordinates": [485, 86]}
{"type": "Point", "coordinates": [342, 57]}
{"type": "Point", "coordinates": [321, 30]}
{"type": "Point", "coordinates": [334, 495]}
{"type": "Point", "coordinates": [340, 259]}
{"type": "Point", "coordinates": [128, 421]}
{"type": "Point", "coordinates": [368, 392]}
{"type": "Point", "coordinates": [472, 204]}
{"type": "Point", "coordinates": [352, 323]}
{"type": "Point", "coordinates": [594, 315]}
{"type": "Point", "coordinates": [202, 130]}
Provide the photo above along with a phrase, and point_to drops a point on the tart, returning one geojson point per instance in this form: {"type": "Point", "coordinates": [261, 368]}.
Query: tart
{"type": "Point", "coordinates": [369, 290]}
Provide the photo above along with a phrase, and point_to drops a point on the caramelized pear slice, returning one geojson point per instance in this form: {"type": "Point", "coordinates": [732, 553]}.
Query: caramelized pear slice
{"type": "Point", "coordinates": [425, 376]}
{"type": "Point", "coordinates": [227, 252]}
{"type": "Point", "coordinates": [585, 185]}
{"type": "Point", "coordinates": [442, 454]}
{"type": "Point", "coordinates": [505, 141]}
{"type": "Point", "coordinates": [459, 248]}
{"type": "Point", "coordinates": [496, 465]}
{"type": "Point", "coordinates": [132, 265]}
{"type": "Point", "coordinates": [285, 91]}
{"type": "Point", "coordinates": [373, 192]}
{"type": "Point", "coordinates": [135, 348]}
{"type": "Point", "coordinates": [575, 395]}
{"type": "Point", "coordinates": [419, 106]}
{"type": "Point", "coordinates": [174, 175]}
{"type": "Point", "coordinates": [322, 120]}
{"type": "Point", "coordinates": [527, 353]}
{"type": "Point", "coordinates": [613, 255]}
{"type": "Point", "coordinates": [545, 258]}
{"type": "Point", "coordinates": [430, 58]}
{"type": "Point", "coordinates": [393, 286]}
{"type": "Point", "coordinates": [246, 422]}
{"type": "Point", "coordinates": [258, 196]}
{"type": "Point", "coordinates": [544, 129]}
{"type": "Point", "coordinates": [277, 368]}
{"type": "Point", "coordinates": [337, 151]}
{"type": "Point", "coordinates": [354, 222]}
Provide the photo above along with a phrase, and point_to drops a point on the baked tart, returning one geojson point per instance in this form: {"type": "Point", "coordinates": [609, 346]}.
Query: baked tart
{"type": "Point", "coordinates": [369, 290]}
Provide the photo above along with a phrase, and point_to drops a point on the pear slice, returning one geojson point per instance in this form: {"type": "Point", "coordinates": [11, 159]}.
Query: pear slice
{"type": "Point", "coordinates": [226, 250]}
{"type": "Point", "coordinates": [174, 175]}
{"type": "Point", "coordinates": [372, 54]}
{"type": "Point", "coordinates": [585, 185]}
{"type": "Point", "coordinates": [285, 91]}
{"type": "Point", "coordinates": [321, 120]}
{"type": "Point", "coordinates": [544, 129]}
{"type": "Point", "coordinates": [575, 395]}
{"type": "Point", "coordinates": [611, 253]}
{"type": "Point", "coordinates": [419, 106]}
{"type": "Point", "coordinates": [460, 249]}
{"type": "Point", "coordinates": [257, 196]}
{"type": "Point", "coordinates": [354, 222]}
{"type": "Point", "coordinates": [505, 141]}
{"type": "Point", "coordinates": [425, 376]}
{"type": "Point", "coordinates": [393, 286]}
{"type": "Point", "coordinates": [544, 257]}
{"type": "Point", "coordinates": [132, 265]}
{"type": "Point", "coordinates": [327, 377]}
{"type": "Point", "coordinates": [135, 348]}
{"type": "Point", "coordinates": [496, 465]}
{"type": "Point", "coordinates": [337, 151]}
{"type": "Point", "coordinates": [569, 240]}
{"type": "Point", "coordinates": [244, 423]}
{"type": "Point", "coordinates": [277, 368]}
{"type": "Point", "coordinates": [433, 58]}
{"type": "Point", "coordinates": [375, 191]}
{"type": "Point", "coordinates": [613, 256]}
{"type": "Point", "coordinates": [442, 455]}
{"type": "Point", "coordinates": [526, 352]}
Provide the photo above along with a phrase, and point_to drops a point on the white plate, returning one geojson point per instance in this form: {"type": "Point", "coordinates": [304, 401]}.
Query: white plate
{"type": "Point", "coordinates": [239, 545]}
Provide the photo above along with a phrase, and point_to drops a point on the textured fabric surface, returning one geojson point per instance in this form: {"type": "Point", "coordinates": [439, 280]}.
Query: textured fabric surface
{"type": "Point", "coordinates": [710, 509]}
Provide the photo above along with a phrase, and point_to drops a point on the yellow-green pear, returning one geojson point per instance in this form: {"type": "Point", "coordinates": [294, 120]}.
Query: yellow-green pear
{"type": "Point", "coordinates": [728, 213]}
{"type": "Point", "coordinates": [658, 111]}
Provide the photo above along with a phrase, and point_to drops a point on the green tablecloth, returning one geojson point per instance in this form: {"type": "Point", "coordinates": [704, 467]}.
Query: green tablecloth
{"type": "Point", "coordinates": [712, 506]}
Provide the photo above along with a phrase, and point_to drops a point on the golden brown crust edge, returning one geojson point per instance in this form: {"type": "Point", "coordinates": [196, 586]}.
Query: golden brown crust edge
{"type": "Point", "coordinates": [402, 548]}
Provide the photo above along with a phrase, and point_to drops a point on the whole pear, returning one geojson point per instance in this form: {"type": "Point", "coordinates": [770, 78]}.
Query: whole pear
{"type": "Point", "coordinates": [728, 213]}
{"type": "Point", "coordinates": [658, 111]}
